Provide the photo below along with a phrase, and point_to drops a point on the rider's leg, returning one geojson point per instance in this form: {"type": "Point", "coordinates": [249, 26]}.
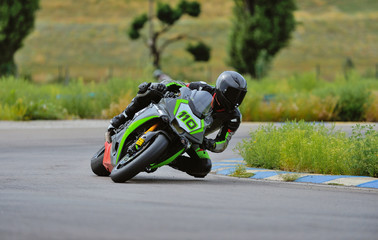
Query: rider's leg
{"type": "Point", "coordinates": [198, 164]}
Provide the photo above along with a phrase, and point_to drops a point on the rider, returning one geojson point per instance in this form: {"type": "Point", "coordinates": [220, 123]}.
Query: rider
{"type": "Point", "coordinates": [228, 94]}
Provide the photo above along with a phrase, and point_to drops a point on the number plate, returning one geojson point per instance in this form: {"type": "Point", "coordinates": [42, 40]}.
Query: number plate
{"type": "Point", "coordinates": [187, 120]}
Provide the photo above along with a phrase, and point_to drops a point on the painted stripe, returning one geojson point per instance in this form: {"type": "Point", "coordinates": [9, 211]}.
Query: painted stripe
{"type": "Point", "coordinates": [228, 167]}
{"type": "Point", "coordinates": [350, 181]}
{"type": "Point", "coordinates": [262, 175]}
{"type": "Point", "coordinates": [317, 178]}
{"type": "Point", "coordinates": [372, 184]}
{"type": "Point", "coordinates": [227, 171]}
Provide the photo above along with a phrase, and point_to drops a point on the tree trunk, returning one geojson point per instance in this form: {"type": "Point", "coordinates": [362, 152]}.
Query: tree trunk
{"type": "Point", "coordinates": [250, 6]}
{"type": "Point", "coordinates": [7, 67]}
{"type": "Point", "coordinates": [154, 52]}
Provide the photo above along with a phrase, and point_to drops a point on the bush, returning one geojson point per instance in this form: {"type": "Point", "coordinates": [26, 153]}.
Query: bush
{"type": "Point", "coordinates": [352, 102]}
{"type": "Point", "coordinates": [309, 147]}
{"type": "Point", "coordinates": [305, 97]}
{"type": "Point", "coordinates": [22, 100]}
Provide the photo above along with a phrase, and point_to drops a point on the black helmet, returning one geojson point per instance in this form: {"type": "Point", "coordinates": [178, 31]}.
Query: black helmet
{"type": "Point", "coordinates": [230, 89]}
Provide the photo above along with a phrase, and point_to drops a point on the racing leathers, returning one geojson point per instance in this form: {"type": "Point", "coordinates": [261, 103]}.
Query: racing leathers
{"type": "Point", "coordinates": [226, 121]}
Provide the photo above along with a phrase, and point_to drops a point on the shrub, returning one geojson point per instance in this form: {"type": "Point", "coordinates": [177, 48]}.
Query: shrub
{"type": "Point", "coordinates": [310, 147]}
{"type": "Point", "coordinates": [23, 100]}
{"type": "Point", "coordinates": [352, 104]}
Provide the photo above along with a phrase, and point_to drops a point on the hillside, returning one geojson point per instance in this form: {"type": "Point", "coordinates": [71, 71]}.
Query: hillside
{"type": "Point", "coordinates": [88, 38]}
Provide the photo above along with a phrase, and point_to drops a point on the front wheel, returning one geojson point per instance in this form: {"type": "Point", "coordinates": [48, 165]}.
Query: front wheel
{"type": "Point", "coordinates": [125, 170]}
{"type": "Point", "coordinates": [96, 163]}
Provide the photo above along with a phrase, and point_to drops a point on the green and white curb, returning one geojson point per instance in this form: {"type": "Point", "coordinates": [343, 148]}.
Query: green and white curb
{"type": "Point", "coordinates": [227, 167]}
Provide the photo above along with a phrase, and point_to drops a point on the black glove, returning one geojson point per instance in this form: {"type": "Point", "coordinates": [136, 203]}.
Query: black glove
{"type": "Point", "coordinates": [169, 94]}
{"type": "Point", "coordinates": [159, 87]}
{"type": "Point", "coordinates": [208, 144]}
{"type": "Point", "coordinates": [109, 133]}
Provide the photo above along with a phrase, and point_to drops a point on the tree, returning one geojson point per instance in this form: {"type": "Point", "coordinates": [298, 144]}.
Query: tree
{"type": "Point", "coordinates": [167, 16]}
{"type": "Point", "coordinates": [260, 29]}
{"type": "Point", "coordinates": [16, 22]}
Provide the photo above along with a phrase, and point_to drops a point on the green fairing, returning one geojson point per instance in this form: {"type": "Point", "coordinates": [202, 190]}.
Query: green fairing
{"type": "Point", "coordinates": [178, 105]}
{"type": "Point", "coordinates": [202, 154]}
{"type": "Point", "coordinates": [168, 160]}
{"type": "Point", "coordinates": [129, 130]}
{"type": "Point", "coordinates": [174, 83]}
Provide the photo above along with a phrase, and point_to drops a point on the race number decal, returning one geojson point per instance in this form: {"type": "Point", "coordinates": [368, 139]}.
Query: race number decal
{"type": "Point", "coordinates": [186, 119]}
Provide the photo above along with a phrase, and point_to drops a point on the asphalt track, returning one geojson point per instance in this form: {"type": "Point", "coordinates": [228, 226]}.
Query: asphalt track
{"type": "Point", "coordinates": [47, 191]}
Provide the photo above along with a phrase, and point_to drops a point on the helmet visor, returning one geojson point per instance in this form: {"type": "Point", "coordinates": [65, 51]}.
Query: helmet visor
{"type": "Point", "coordinates": [234, 95]}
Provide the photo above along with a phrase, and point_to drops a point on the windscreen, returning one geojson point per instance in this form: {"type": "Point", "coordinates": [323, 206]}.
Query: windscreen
{"type": "Point", "coordinates": [200, 103]}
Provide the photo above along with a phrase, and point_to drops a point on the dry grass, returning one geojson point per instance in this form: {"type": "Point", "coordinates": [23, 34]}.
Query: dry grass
{"type": "Point", "coordinates": [372, 111]}
{"type": "Point", "coordinates": [89, 37]}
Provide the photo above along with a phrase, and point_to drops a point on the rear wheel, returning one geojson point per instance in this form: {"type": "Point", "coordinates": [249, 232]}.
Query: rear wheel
{"type": "Point", "coordinates": [129, 167]}
{"type": "Point", "coordinates": [96, 163]}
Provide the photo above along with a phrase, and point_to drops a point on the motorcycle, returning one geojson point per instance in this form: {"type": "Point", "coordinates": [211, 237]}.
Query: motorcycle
{"type": "Point", "coordinates": [156, 135]}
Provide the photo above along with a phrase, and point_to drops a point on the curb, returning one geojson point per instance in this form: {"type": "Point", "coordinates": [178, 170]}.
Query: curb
{"type": "Point", "coordinates": [228, 166]}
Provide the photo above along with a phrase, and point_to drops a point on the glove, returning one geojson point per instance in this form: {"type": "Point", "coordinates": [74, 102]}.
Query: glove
{"type": "Point", "coordinates": [109, 133]}
{"type": "Point", "coordinates": [208, 144]}
{"type": "Point", "coordinates": [159, 87]}
{"type": "Point", "coordinates": [169, 94]}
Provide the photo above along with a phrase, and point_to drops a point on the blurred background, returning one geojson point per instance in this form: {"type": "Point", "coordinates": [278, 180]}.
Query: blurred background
{"type": "Point", "coordinates": [96, 52]}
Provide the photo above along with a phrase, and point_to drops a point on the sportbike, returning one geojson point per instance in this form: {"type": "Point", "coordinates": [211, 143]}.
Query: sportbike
{"type": "Point", "coordinates": [156, 136]}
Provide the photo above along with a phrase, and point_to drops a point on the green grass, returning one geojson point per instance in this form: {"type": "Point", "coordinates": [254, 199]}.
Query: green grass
{"type": "Point", "coordinates": [241, 172]}
{"type": "Point", "coordinates": [298, 97]}
{"type": "Point", "coordinates": [314, 148]}
{"type": "Point", "coordinates": [304, 97]}
{"type": "Point", "coordinates": [289, 177]}
{"type": "Point", "coordinates": [23, 100]}
{"type": "Point", "coordinates": [90, 37]}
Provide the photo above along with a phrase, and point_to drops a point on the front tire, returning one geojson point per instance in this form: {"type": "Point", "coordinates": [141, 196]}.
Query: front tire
{"type": "Point", "coordinates": [96, 163]}
{"type": "Point", "coordinates": [123, 172]}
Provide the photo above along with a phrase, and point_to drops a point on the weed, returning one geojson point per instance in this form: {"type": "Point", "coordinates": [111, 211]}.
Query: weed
{"type": "Point", "coordinates": [307, 147]}
{"type": "Point", "coordinates": [241, 172]}
{"type": "Point", "coordinates": [290, 177]}
{"type": "Point", "coordinates": [336, 184]}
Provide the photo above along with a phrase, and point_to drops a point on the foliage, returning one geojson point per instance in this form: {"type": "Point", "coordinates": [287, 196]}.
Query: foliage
{"type": "Point", "coordinates": [22, 100]}
{"type": "Point", "coordinates": [304, 97]}
{"type": "Point", "coordinates": [314, 148]}
{"type": "Point", "coordinates": [241, 172]}
{"type": "Point", "coordinates": [16, 22]}
{"type": "Point", "coordinates": [168, 16]}
{"type": "Point", "coordinates": [200, 51]}
{"type": "Point", "coordinates": [352, 102]}
{"type": "Point", "coordinates": [298, 97]}
{"type": "Point", "coordinates": [364, 150]}
{"type": "Point", "coordinates": [290, 177]}
{"type": "Point", "coordinates": [260, 29]}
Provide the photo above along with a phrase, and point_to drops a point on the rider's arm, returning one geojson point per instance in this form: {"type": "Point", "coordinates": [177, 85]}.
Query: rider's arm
{"type": "Point", "coordinates": [201, 86]}
{"type": "Point", "coordinates": [147, 93]}
{"type": "Point", "coordinates": [220, 143]}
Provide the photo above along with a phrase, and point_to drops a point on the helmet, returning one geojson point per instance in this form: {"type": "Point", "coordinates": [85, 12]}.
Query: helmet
{"type": "Point", "coordinates": [230, 89]}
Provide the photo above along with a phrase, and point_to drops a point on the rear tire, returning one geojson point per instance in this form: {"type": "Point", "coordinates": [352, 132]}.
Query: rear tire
{"type": "Point", "coordinates": [96, 163]}
{"type": "Point", "coordinates": [121, 173]}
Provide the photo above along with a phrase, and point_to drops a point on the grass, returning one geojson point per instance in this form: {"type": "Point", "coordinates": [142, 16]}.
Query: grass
{"type": "Point", "coordinates": [241, 172]}
{"type": "Point", "coordinates": [89, 38]}
{"type": "Point", "coordinates": [297, 97]}
{"type": "Point", "coordinates": [290, 177]}
{"type": "Point", "coordinates": [313, 148]}
{"type": "Point", "coordinates": [302, 96]}
{"type": "Point", "coordinates": [23, 100]}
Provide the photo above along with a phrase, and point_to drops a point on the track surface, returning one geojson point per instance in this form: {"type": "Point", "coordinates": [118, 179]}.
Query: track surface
{"type": "Point", "coordinates": [47, 191]}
